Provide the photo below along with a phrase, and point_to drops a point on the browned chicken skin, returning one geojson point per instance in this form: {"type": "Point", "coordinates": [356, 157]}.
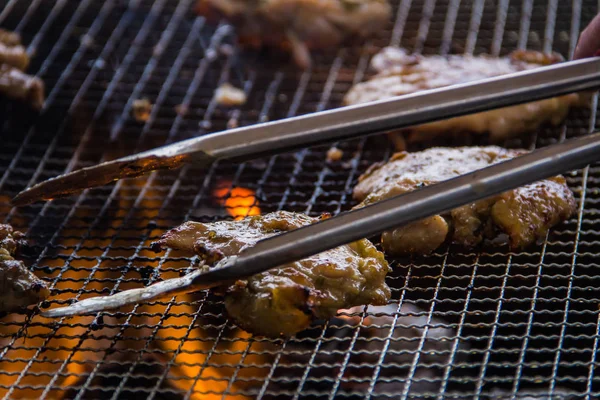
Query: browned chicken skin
{"type": "Point", "coordinates": [300, 25]}
{"type": "Point", "coordinates": [524, 214]}
{"type": "Point", "coordinates": [285, 300]}
{"type": "Point", "coordinates": [401, 73]}
{"type": "Point", "coordinates": [19, 287]}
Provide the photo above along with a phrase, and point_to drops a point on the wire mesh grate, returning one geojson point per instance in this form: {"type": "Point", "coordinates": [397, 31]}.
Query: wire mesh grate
{"type": "Point", "coordinates": [461, 324]}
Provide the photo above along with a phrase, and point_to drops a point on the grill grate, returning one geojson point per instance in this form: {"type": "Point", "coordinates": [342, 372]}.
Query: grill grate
{"type": "Point", "coordinates": [530, 319]}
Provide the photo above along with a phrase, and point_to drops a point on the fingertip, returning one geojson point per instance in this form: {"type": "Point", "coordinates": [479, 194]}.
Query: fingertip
{"type": "Point", "coordinates": [589, 40]}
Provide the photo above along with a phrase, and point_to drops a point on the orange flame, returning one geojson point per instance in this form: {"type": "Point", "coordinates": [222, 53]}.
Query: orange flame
{"type": "Point", "coordinates": [202, 363]}
{"type": "Point", "coordinates": [240, 202]}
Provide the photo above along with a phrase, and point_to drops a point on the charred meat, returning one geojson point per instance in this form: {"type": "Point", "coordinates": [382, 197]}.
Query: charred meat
{"type": "Point", "coordinates": [400, 73]}
{"type": "Point", "coordinates": [285, 300]}
{"type": "Point", "coordinates": [15, 83]}
{"type": "Point", "coordinates": [20, 288]}
{"type": "Point", "coordinates": [300, 25]}
{"type": "Point", "coordinates": [524, 214]}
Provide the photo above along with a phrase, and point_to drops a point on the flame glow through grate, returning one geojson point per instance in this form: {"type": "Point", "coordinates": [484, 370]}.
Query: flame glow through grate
{"type": "Point", "coordinates": [480, 320]}
{"type": "Point", "coordinates": [239, 202]}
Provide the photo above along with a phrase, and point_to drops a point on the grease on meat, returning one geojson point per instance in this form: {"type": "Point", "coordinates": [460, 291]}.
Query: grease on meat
{"type": "Point", "coordinates": [400, 73]}
{"type": "Point", "coordinates": [19, 286]}
{"type": "Point", "coordinates": [524, 214]}
{"type": "Point", "coordinates": [285, 300]}
{"type": "Point", "coordinates": [300, 25]}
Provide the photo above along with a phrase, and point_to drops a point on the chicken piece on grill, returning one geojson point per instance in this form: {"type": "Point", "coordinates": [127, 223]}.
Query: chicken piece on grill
{"type": "Point", "coordinates": [524, 214]}
{"type": "Point", "coordinates": [285, 300]}
{"type": "Point", "coordinates": [400, 73]}
{"type": "Point", "coordinates": [14, 56]}
{"type": "Point", "coordinates": [9, 38]}
{"type": "Point", "coordinates": [19, 286]}
{"type": "Point", "coordinates": [15, 83]}
{"type": "Point", "coordinates": [20, 86]}
{"type": "Point", "coordinates": [300, 25]}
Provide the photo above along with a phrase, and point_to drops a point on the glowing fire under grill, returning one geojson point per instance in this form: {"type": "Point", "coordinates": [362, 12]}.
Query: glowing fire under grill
{"type": "Point", "coordinates": [199, 364]}
{"type": "Point", "coordinates": [509, 321]}
{"type": "Point", "coordinates": [239, 202]}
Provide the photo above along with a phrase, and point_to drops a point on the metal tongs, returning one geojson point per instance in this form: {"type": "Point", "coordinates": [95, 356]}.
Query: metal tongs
{"type": "Point", "coordinates": [329, 126]}
{"type": "Point", "coordinates": [342, 124]}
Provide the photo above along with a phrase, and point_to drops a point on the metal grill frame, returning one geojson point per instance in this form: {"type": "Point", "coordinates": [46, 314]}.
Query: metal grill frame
{"type": "Point", "coordinates": [98, 58]}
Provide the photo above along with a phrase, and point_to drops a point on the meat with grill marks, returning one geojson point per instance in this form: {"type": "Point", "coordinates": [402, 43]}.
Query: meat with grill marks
{"type": "Point", "coordinates": [299, 26]}
{"type": "Point", "coordinates": [524, 214]}
{"type": "Point", "coordinates": [400, 73]}
{"type": "Point", "coordinates": [285, 300]}
{"type": "Point", "coordinates": [20, 287]}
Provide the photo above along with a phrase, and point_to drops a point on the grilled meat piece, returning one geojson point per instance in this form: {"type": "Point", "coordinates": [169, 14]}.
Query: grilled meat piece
{"type": "Point", "coordinates": [14, 82]}
{"type": "Point", "coordinates": [9, 38]}
{"type": "Point", "coordinates": [524, 214]}
{"type": "Point", "coordinates": [229, 96]}
{"type": "Point", "coordinates": [401, 73]}
{"type": "Point", "coordinates": [19, 287]}
{"type": "Point", "coordinates": [14, 56]}
{"type": "Point", "coordinates": [20, 86]}
{"type": "Point", "coordinates": [285, 300]}
{"type": "Point", "coordinates": [300, 25]}
{"type": "Point", "coordinates": [141, 109]}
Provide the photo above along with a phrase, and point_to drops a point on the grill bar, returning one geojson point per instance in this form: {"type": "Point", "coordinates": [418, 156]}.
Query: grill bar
{"type": "Point", "coordinates": [165, 39]}
{"type": "Point", "coordinates": [111, 42]}
{"type": "Point", "coordinates": [198, 23]}
{"type": "Point", "coordinates": [548, 41]}
{"type": "Point", "coordinates": [198, 77]}
{"type": "Point", "coordinates": [3, 353]}
{"type": "Point", "coordinates": [51, 57]}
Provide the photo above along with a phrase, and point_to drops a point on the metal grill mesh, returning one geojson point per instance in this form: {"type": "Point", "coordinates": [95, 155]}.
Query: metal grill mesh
{"type": "Point", "coordinates": [519, 321]}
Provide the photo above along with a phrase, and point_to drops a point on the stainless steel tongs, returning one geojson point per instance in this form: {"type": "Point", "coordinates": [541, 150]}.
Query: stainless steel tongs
{"type": "Point", "coordinates": [333, 125]}
{"type": "Point", "coordinates": [364, 222]}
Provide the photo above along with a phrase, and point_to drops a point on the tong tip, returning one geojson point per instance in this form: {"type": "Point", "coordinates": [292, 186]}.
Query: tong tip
{"type": "Point", "coordinates": [99, 175]}
{"type": "Point", "coordinates": [170, 287]}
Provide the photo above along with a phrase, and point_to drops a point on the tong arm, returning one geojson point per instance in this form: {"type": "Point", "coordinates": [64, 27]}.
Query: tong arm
{"type": "Point", "coordinates": [254, 141]}
{"type": "Point", "coordinates": [364, 222]}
